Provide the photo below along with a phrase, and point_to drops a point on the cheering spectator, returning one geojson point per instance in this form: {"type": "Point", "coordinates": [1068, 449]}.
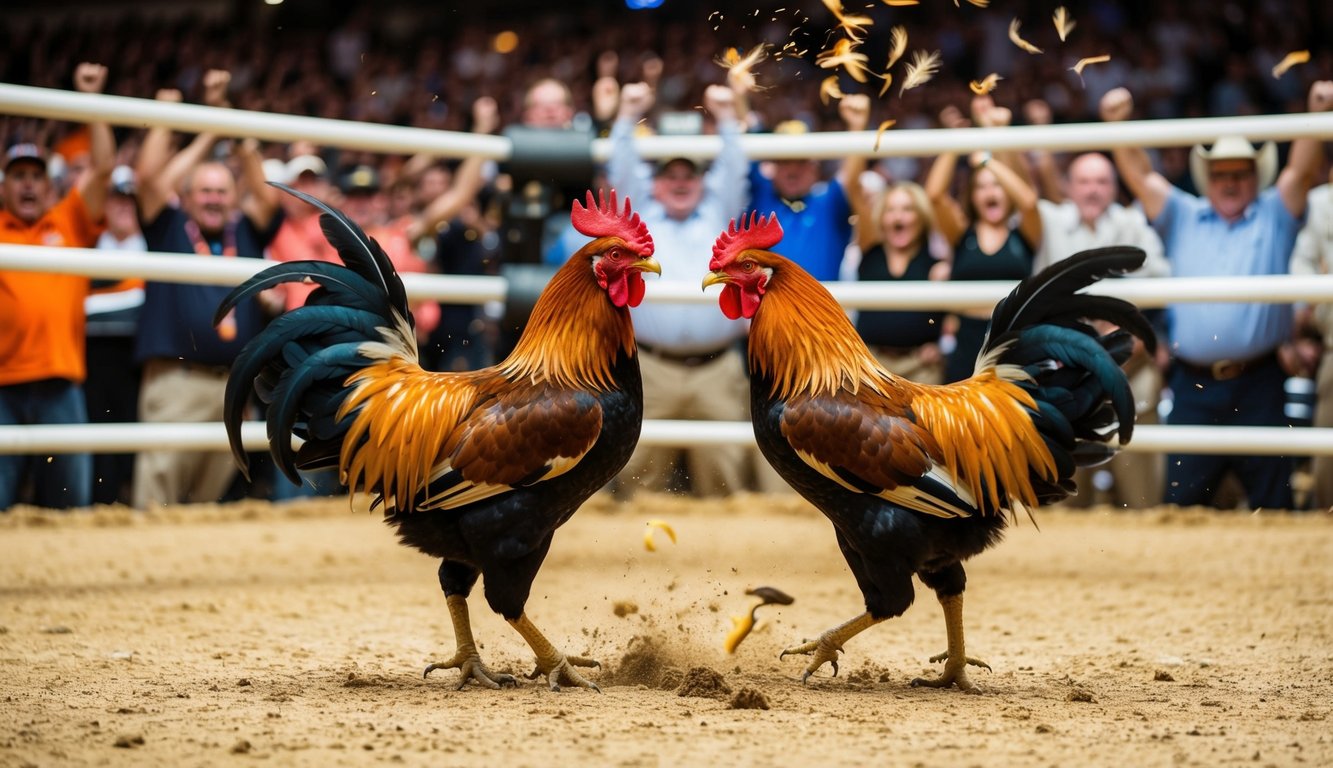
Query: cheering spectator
{"type": "Point", "coordinates": [42, 363]}
{"type": "Point", "coordinates": [1226, 368]}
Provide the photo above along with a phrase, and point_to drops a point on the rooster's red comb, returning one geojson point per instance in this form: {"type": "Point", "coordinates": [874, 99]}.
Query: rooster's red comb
{"type": "Point", "coordinates": [601, 219]}
{"type": "Point", "coordinates": [758, 232]}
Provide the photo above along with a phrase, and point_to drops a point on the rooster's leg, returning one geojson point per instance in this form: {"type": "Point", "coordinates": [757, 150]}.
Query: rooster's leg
{"type": "Point", "coordinates": [955, 659]}
{"type": "Point", "coordinates": [466, 659]}
{"type": "Point", "coordinates": [829, 645]}
{"type": "Point", "coordinates": [554, 665]}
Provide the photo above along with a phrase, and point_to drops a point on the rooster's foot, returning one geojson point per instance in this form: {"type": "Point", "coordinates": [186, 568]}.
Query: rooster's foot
{"type": "Point", "coordinates": [955, 673]}
{"type": "Point", "coordinates": [473, 670]}
{"type": "Point", "coordinates": [560, 669]}
{"type": "Point", "coordinates": [823, 652]}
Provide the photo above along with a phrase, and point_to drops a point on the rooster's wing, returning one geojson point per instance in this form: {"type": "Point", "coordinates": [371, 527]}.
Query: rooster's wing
{"type": "Point", "coordinates": [931, 449]}
{"type": "Point", "coordinates": [440, 441]}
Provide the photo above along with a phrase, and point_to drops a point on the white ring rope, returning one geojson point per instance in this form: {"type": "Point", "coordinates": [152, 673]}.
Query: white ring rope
{"type": "Point", "coordinates": [45, 439]}
{"type": "Point", "coordinates": [141, 113]}
{"type": "Point", "coordinates": [1146, 292]}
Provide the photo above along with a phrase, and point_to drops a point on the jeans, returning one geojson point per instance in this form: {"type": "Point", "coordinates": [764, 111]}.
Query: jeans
{"type": "Point", "coordinates": [59, 481]}
{"type": "Point", "coordinates": [1253, 399]}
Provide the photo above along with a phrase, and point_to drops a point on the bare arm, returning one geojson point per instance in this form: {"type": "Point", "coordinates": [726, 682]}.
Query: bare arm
{"type": "Point", "coordinates": [94, 187]}
{"type": "Point", "coordinates": [259, 201]}
{"type": "Point", "coordinates": [1149, 187]}
{"type": "Point", "coordinates": [1022, 196]}
{"type": "Point", "coordinates": [855, 112]}
{"type": "Point", "coordinates": [1306, 157]}
{"type": "Point", "coordinates": [467, 181]}
{"type": "Point", "coordinates": [157, 189]}
{"type": "Point", "coordinates": [948, 214]}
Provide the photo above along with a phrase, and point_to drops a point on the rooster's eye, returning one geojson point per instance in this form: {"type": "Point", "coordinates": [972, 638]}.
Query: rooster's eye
{"type": "Point", "coordinates": [747, 266]}
{"type": "Point", "coordinates": [614, 254]}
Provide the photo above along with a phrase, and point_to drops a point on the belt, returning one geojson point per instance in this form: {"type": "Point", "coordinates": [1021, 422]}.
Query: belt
{"type": "Point", "coordinates": [1225, 370]}
{"type": "Point", "coordinates": [186, 365]}
{"type": "Point", "coordinates": [690, 360]}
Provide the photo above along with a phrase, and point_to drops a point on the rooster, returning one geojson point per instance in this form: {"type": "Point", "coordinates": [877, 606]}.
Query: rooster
{"type": "Point", "coordinates": [476, 468]}
{"type": "Point", "coordinates": [918, 478]}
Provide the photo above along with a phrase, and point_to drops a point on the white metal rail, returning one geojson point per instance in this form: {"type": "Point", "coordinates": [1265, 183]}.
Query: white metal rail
{"type": "Point", "coordinates": [143, 113]}
{"type": "Point", "coordinates": [1147, 292]}
{"type": "Point", "coordinates": [47, 439]}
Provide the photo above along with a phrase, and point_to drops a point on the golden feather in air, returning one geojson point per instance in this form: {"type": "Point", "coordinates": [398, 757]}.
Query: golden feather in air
{"type": "Point", "coordinates": [829, 89]}
{"type": "Point", "coordinates": [740, 69]}
{"type": "Point", "coordinates": [855, 26]}
{"type": "Point", "coordinates": [897, 45]}
{"type": "Point", "coordinates": [923, 67]}
{"type": "Point", "coordinates": [1018, 41]}
{"type": "Point", "coordinates": [879, 134]}
{"type": "Point", "coordinates": [844, 54]}
{"type": "Point", "coordinates": [888, 81]}
{"type": "Point", "coordinates": [1063, 23]}
{"type": "Point", "coordinates": [985, 85]}
{"type": "Point", "coordinates": [899, 3]}
{"type": "Point", "coordinates": [1078, 67]}
{"type": "Point", "coordinates": [977, 3]}
{"type": "Point", "coordinates": [1289, 61]}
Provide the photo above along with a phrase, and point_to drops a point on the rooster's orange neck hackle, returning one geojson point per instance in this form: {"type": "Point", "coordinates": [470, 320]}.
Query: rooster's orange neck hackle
{"type": "Point", "coordinates": [578, 349]}
{"type": "Point", "coordinates": [821, 350]}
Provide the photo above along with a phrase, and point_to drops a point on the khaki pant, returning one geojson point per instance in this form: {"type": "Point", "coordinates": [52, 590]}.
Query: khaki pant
{"type": "Point", "coordinates": [179, 392]}
{"type": "Point", "coordinates": [715, 391]}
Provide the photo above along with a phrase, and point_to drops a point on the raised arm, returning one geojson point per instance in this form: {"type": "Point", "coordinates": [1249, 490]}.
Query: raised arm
{"type": "Point", "coordinates": [95, 184]}
{"type": "Point", "coordinates": [467, 180]}
{"type": "Point", "coordinates": [949, 217]}
{"type": "Point", "coordinates": [623, 167]}
{"type": "Point", "coordinates": [1306, 158]}
{"type": "Point", "coordinates": [728, 178]}
{"type": "Point", "coordinates": [259, 200]}
{"type": "Point", "coordinates": [1038, 112]}
{"type": "Point", "coordinates": [855, 112]}
{"type": "Point", "coordinates": [1148, 186]}
{"type": "Point", "coordinates": [1019, 192]}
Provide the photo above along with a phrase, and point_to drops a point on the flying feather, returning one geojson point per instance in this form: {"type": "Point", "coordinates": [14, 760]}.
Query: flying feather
{"type": "Point", "coordinates": [1063, 23]}
{"type": "Point", "coordinates": [923, 67]}
{"type": "Point", "coordinates": [1018, 41]}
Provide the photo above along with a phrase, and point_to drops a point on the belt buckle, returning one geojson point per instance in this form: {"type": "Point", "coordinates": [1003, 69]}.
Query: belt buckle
{"type": "Point", "coordinates": [1225, 370]}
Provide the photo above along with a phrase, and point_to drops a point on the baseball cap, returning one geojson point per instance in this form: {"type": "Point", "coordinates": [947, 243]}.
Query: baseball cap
{"type": "Point", "coordinates": [362, 178]}
{"type": "Point", "coordinates": [122, 180]}
{"type": "Point", "coordinates": [306, 164]}
{"type": "Point", "coordinates": [25, 151]}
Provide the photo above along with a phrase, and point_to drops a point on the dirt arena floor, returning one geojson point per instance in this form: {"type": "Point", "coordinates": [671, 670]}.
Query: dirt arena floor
{"type": "Point", "coordinates": [296, 635]}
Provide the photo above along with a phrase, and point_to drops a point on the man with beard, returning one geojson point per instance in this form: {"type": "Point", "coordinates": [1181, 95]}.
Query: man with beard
{"type": "Point", "coordinates": [185, 358]}
{"type": "Point", "coordinates": [42, 366]}
{"type": "Point", "coordinates": [1227, 367]}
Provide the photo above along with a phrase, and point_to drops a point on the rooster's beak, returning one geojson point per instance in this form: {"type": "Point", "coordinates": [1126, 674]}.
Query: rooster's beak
{"type": "Point", "coordinates": [713, 278]}
{"type": "Point", "coordinates": [648, 264]}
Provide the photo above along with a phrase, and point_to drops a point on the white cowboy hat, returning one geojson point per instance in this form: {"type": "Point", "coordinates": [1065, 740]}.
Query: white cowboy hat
{"type": "Point", "coordinates": [1234, 148]}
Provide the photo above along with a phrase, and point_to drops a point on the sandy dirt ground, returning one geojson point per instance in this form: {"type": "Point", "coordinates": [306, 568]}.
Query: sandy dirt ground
{"type": "Point", "coordinates": [297, 636]}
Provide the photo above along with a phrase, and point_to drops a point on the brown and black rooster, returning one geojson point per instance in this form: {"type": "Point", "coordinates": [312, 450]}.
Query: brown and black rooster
{"type": "Point", "coordinates": [918, 478]}
{"type": "Point", "coordinates": [476, 468]}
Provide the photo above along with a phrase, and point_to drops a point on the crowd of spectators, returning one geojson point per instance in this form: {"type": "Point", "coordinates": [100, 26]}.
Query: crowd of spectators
{"type": "Point", "coordinates": [414, 65]}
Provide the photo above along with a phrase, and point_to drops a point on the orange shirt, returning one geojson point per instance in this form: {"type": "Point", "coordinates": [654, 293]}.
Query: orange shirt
{"type": "Point", "coordinates": [41, 315]}
{"type": "Point", "coordinates": [302, 239]}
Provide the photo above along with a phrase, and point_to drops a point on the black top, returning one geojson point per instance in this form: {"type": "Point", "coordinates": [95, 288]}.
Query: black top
{"type": "Point", "coordinates": [880, 328]}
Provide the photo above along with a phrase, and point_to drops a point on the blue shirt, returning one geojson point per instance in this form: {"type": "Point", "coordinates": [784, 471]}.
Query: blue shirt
{"type": "Point", "coordinates": [683, 247]}
{"type": "Point", "coordinates": [1199, 242]}
{"type": "Point", "coordinates": [815, 229]}
{"type": "Point", "coordinates": [176, 321]}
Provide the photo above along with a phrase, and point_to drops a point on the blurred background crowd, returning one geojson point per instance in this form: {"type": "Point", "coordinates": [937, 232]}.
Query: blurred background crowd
{"type": "Point", "coordinates": [487, 68]}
